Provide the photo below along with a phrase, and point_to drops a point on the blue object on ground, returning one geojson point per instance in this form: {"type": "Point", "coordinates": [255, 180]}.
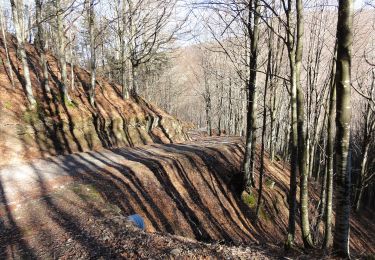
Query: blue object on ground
{"type": "Point", "coordinates": [137, 220]}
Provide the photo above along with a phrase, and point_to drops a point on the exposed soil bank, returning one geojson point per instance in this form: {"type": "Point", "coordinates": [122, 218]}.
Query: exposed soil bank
{"type": "Point", "coordinates": [54, 127]}
{"type": "Point", "coordinates": [67, 206]}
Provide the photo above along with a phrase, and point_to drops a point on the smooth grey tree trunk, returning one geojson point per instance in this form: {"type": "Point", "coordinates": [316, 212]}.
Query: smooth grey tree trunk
{"type": "Point", "coordinates": [72, 74]}
{"type": "Point", "coordinates": [293, 134]}
{"type": "Point", "coordinates": [327, 243]}
{"type": "Point", "coordinates": [61, 51]}
{"type": "Point", "coordinates": [248, 164]}
{"type": "Point", "coordinates": [132, 48]}
{"type": "Point", "coordinates": [207, 99]}
{"type": "Point", "coordinates": [125, 62]}
{"type": "Point", "coordinates": [302, 148]}
{"type": "Point", "coordinates": [41, 45]}
{"type": "Point", "coordinates": [91, 21]}
{"type": "Point", "coordinates": [264, 127]}
{"type": "Point", "coordinates": [9, 66]}
{"type": "Point", "coordinates": [343, 118]}
{"type": "Point", "coordinates": [16, 5]}
{"type": "Point", "coordinates": [367, 137]}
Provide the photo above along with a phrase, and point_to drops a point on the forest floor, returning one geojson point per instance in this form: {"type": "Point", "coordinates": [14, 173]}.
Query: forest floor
{"type": "Point", "coordinates": [75, 206]}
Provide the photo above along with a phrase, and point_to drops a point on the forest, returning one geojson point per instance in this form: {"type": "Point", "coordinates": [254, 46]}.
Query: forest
{"type": "Point", "coordinates": [251, 94]}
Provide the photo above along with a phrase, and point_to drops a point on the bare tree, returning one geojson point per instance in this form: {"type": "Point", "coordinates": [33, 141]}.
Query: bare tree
{"type": "Point", "coordinates": [253, 30]}
{"type": "Point", "coordinates": [61, 40]}
{"type": "Point", "coordinates": [9, 66]}
{"type": "Point", "coordinates": [42, 44]}
{"type": "Point", "coordinates": [91, 29]}
{"type": "Point", "coordinates": [329, 161]}
{"type": "Point", "coordinates": [366, 175]}
{"type": "Point", "coordinates": [302, 151]}
{"type": "Point", "coordinates": [16, 6]}
{"type": "Point", "coordinates": [343, 116]}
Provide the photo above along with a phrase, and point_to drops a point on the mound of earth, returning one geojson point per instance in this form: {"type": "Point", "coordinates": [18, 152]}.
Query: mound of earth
{"type": "Point", "coordinates": [54, 127]}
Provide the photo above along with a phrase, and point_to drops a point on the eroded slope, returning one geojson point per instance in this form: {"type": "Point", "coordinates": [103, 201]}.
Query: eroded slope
{"type": "Point", "coordinates": [56, 128]}
{"type": "Point", "coordinates": [180, 189]}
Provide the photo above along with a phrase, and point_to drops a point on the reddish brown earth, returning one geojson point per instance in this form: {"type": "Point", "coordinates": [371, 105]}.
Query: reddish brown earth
{"type": "Point", "coordinates": [75, 206]}
{"type": "Point", "coordinates": [54, 127]}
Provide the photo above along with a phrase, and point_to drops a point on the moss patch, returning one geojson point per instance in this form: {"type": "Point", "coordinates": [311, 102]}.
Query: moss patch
{"type": "Point", "coordinates": [32, 115]}
{"type": "Point", "coordinates": [87, 192]}
{"type": "Point", "coordinates": [263, 214]}
{"type": "Point", "coordinates": [8, 104]}
{"type": "Point", "coordinates": [249, 199]}
{"type": "Point", "coordinates": [270, 183]}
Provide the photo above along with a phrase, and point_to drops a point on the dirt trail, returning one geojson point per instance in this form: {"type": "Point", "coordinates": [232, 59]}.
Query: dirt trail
{"type": "Point", "coordinates": [74, 206]}
{"type": "Point", "coordinates": [49, 203]}
{"type": "Point", "coordinates": [23, 181]}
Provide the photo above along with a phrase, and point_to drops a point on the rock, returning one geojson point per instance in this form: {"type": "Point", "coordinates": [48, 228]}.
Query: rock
{"type": "Point", "coordinates": [176, 251]}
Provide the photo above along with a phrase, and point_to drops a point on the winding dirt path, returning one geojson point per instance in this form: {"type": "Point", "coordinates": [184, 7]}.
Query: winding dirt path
{"type": "Point", "coordinates": [75, 206]}
{"type": "Point", "coordinates": [23, 181]}
{"type": "Point", "coordinates": [48, 206]}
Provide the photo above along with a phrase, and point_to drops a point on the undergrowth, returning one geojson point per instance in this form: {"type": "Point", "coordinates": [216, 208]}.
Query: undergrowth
{"type": "Point", "coordinates": [251, 200]}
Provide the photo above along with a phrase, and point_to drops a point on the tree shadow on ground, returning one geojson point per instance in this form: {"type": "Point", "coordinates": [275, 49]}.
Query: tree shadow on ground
{"type": "Point", "coordinates": [11, 237]}
{"type": "Point", "coordinates": [179, 189]}
{"type": "Point", "coordinates": [149, 183]}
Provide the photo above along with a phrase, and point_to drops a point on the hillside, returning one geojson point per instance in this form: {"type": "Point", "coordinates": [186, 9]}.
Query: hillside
{"type": "Point", "coordinates": [76, 206]}
{"type": "Point", "coordinates": [71, 174]}
{"type": "Point", "coordinates": [53, 128]}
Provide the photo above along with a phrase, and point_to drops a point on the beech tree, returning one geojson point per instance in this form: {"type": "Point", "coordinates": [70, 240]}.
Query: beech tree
{"type": "Point", "coordinates": [91, 29]}
{"type": "Point", "coordinates": [329, 161]}
{"type": "Point", "coordinates": [294, 47]}
{"type": "Point", "coordinates": [17, 6]}
{"type": "Point", "coordinates": [253, 31]}
{"type": "Point", "coordinates": [61, 41]}
{"type": "Point", "coordinates": [244, 17]}
{"type": "Point", "coordinates": [365, 87]}
{"type": "Point", "coordinates": [5, 42]}
{"type": "Point", "coordinates": [302, 148]}
{"type": "Point", "coordinates": [41, 44]}
{"type": "Point", "coordinates": [343, 116]}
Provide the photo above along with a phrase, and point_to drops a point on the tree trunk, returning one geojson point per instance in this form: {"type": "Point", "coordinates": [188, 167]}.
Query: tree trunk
{"type": "Point", "coordinates": [365, 149]}
{"type": "Point", "coordinates": [72, 75]}
{"type": "Point", "coordinates": [9, 66]}
{"type": "Point", "coordinates": [293, 161]}
{"type": "Point", "coordinates": [293, 134]}
{"type": "Point", "coordinates": [272, 125]}
{"type": "Point", "coordinates": [286, 143]}
{"type": "Point", "coordinates": [343, 118]}
{"type": "Point", "coordinates": [220, 108]}
{"type": "Point", "coordinates": [125, 90]}
{"type": "Point", "coordinates": [41, 45]}
{"type": "Point", "coordinates": [329, 163]}
{"type": "Point", "coordinates": [17, 20]}
{"type": "Point", "coordinates": [133, 79]}
{"type": "Point", "coordinates": [132, 48]}
{"type": "Point", "coordinates": [264, 129]}
{"type": "Point", "coordinates": [61, 52]}
{"type": "Point", "coordinates": [91, 16]}
{"type": "Point", "coordinates": [248, 164]}
{"type": "Point", "coordinates": [302, 151]}
{"type": "Point", "coordinates": [124, 53]}
{"type": "Point", "coordinates": [207, 99]}
{"type": "Point", "coordinates": [229, 113]}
